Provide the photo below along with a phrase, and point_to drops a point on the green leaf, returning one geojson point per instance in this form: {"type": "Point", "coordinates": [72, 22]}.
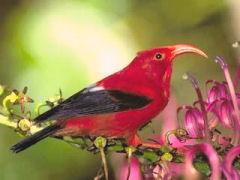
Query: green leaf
{"type": "Point", "coordinates": [151, 156]}
{"type": "Point", "coordinates": [203, 168]}
{"type": "Point", "coordinates": [202, 165]}
{"type": "Point", "coordinates": [116, 148]}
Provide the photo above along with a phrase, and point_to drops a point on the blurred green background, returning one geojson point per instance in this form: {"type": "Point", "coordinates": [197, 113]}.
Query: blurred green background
{"type": "Point", "coordinates": [47, 45]}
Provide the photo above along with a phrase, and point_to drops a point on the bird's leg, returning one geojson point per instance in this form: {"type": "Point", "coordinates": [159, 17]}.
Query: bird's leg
{"type": "Point", "coordinates": [151, 145]}
{"type": "Point", "coordinates": [136, 141]}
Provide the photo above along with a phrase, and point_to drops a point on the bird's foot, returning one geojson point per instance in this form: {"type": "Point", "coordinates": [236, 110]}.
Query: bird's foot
{"type": "Point", "coordinates": [135, 141]}
{"type": "Point", "coordinates": [151, 145]}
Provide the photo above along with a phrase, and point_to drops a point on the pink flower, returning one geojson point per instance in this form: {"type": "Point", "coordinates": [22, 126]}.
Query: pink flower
{"type": "Point", "coordinates": [223, 110]}
{"type": "Point", "coordinates": [218, 90]}
{"type": "Point", "coordinates": [193, 122]}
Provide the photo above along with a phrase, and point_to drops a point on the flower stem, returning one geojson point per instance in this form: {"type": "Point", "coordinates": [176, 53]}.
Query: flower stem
{"type": "Point", "coordinates": [104, 161]}
{"type": "Point", "coordinates": [100, 143]}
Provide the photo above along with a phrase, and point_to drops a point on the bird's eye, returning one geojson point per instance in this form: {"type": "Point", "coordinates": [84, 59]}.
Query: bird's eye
{"type": "Point", "coordinates": [159, 56]}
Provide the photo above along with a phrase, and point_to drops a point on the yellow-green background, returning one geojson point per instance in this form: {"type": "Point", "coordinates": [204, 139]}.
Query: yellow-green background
{"type": "Point", "coordinates": [47, 45]}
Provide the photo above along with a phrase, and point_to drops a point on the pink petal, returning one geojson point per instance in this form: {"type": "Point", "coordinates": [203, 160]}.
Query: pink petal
{"type": "Point", "coordinates": [226, 113]}
{"type": "Point", "coordinates": [135, 173]}
{"type": "Point", "coordinates": [223, 110]}
{"type": "Point", "coordinates": [218, 90]}
{"type": "Point", "coordinates": [227, 167]}
{"type": "Point", "coordinates": [194, 122]}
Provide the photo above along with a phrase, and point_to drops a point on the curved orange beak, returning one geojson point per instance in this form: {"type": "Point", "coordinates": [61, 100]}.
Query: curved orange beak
{"type": "Point", "coordinates": [186, 48]}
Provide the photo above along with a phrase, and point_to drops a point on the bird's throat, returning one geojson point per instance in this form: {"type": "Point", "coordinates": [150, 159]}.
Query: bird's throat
{"type": "Point", "coordinates": [166, 80]}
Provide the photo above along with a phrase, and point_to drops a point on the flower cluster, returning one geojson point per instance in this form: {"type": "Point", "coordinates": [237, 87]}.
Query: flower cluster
{"type": "Point", "coordinates": [211, 128]}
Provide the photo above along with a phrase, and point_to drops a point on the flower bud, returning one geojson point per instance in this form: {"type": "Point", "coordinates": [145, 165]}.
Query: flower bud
{"type": "Point", "coordinates": [167, 157]}
{"type": "Point", "coordinates": [24, 124]}
{"type": "Point", "coordinates": [13, 97]}
{"type": "Point", "coordinates": [100, 142]}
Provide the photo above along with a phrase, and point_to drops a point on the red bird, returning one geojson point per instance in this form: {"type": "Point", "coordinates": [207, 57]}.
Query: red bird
{"type": "Point", "coordinates": [118, 105]}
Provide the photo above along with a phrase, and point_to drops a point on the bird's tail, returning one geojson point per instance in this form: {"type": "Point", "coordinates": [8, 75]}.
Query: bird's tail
{"type": "Point", "coordinates": [29, 141]}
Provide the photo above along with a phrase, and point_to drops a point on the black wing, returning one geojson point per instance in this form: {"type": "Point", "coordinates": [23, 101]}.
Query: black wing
{"type": "Point", "coordinates": [89, 102]}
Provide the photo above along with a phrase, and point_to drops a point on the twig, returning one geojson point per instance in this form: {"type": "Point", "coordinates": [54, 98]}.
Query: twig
{"type": "Point", "coordinates": [5, 121]}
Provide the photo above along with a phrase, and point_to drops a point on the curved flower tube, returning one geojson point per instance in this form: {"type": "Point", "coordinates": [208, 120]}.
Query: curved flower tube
{"type": "Point", "coordinates": [229, 171]}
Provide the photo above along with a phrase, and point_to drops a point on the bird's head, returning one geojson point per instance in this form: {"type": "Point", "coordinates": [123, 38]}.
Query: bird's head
{"type": "Point", "coordinates": [157, 63]}
{"type": "Point", "coordinates": [159, 60]}
{"type": "Point", "coordinates": [166, 54]}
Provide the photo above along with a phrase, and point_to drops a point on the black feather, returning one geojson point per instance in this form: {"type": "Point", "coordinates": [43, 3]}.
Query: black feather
{"type": "Point", "coordinates": [29, 141]}
{"type": "Point", "coordinates": [88, 102]}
